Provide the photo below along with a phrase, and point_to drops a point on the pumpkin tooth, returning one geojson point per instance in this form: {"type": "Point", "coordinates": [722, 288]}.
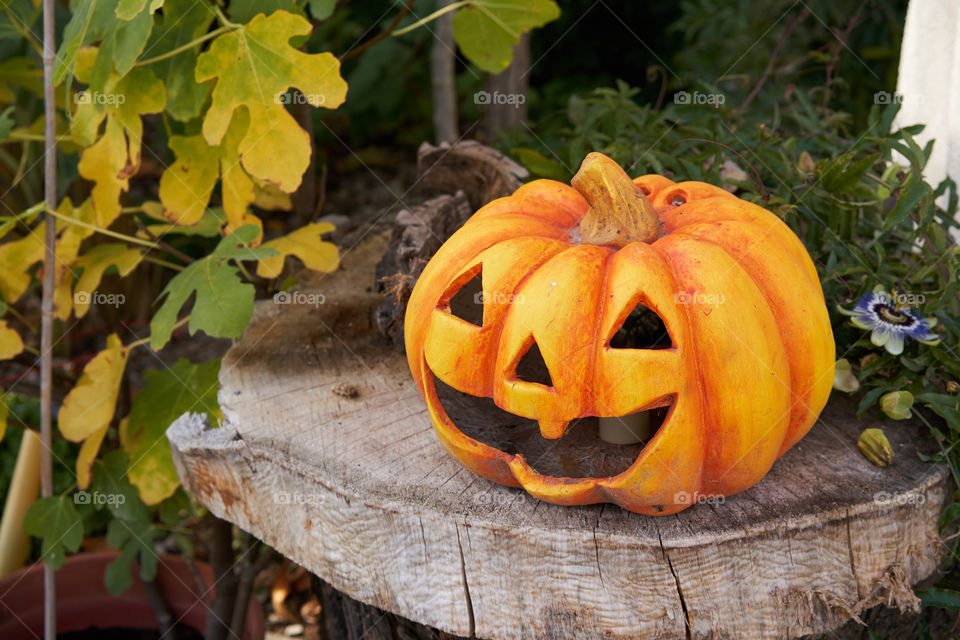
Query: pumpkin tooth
{"type": "Point", "coordinates": [552, 429]}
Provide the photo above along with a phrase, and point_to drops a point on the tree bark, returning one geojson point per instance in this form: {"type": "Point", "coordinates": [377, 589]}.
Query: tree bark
{"type": "Point", "coordinates": [442, 62]}
{"type": "Point", "coordinates": [507, 93]}
{"type": "Point", "coordinates": [224, 580]}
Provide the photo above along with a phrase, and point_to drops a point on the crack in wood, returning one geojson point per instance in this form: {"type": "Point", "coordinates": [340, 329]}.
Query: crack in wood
{"type": "Point", "coordinates": [466, 585]}
{"type": "Point", "coordinates": [676, 579]}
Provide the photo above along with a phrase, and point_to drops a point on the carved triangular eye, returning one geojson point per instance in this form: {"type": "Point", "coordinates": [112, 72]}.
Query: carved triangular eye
{"type": "Point", "coordinates": [642, 328]}
{"type": "Point", "coordinates": [466, 302]}
{"type": "Point", "coordinates": [532, 368]}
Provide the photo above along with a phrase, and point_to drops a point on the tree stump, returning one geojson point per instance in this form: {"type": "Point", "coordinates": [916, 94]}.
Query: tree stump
{"type": "Point", "coordinates": [328, 455]}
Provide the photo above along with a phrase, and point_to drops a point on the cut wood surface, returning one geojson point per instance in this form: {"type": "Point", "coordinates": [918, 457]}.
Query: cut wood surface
{"type": "Point", "coordinates": [327, 454]}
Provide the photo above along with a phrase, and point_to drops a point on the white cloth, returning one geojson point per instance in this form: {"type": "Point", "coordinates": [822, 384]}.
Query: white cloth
{"type": "Point", "coordinates": [928, 84]}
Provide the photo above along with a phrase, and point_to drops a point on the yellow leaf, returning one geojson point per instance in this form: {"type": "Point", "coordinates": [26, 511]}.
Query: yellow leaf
{"type": "Point", "coordinates": [127, 442]}
{"type": "Point", "coordinates": [269, 198]}
{"type": "Point", "coordinates": [16, 258]}
{"type": "Point", "coordinates": [254, 67]}
{"type": "Point", "coordinates": [88, 451]}
{"type": "Point", "coordinates": [115, 156]}
{"type": "Point", "coordinates": [94, 263]}
{"type": "Point", "coordinates": [10, 342]}
{"type": "Point", "coordinates": [186, 186]}
{"type": "Point", "coordinates": [68, 246]}
{"type": "Point", "coordinates": [90, 405]}
{"type": "Point", "coordinates": [4, 414]}
{"type": "Point", "coordinates": [307, 244]}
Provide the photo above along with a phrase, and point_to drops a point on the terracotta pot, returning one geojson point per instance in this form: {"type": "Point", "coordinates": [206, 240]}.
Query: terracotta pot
{"type": "Point", "coordinates": [83, 600]}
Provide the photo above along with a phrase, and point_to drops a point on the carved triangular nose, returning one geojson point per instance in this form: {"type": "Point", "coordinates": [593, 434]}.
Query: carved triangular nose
{"type": "Point", "coordinates": [552, 429]}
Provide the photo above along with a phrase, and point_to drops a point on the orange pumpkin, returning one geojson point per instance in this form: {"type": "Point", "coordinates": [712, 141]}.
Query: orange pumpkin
{"type": "Point", "coordinates": [751, 355]}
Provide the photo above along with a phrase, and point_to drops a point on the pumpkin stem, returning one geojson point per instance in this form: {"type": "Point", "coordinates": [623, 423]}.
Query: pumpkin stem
{"type": "Point", "coordinates": [619, 211]}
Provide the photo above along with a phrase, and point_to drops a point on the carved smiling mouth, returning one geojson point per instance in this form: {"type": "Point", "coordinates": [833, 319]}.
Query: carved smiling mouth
{"type": "Point", "coordinates": [579, 453]}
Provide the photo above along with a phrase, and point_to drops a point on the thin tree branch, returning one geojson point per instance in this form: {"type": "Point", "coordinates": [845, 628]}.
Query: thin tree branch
{"type": "Point", "coordinates": [46, 307]}
{"type": "Point", "coordinates": [380, 36]}
{"type": "Point", "coordinates": [792, 23]}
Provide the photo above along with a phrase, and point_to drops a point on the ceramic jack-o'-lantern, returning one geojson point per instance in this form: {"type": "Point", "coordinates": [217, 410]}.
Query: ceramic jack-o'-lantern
{"type": "Point", "coordinates": [741, 372]}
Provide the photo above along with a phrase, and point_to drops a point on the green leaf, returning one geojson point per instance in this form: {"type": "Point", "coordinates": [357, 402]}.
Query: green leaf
{"type": "Point", "coordinates": [949, 515]}
{"type": "Point", "coordinates": [183, 21]}
{"type": "Point", "coordinates": [115, 490]}
{"type": "Point", "coordinates": [121, 39]}
{"type": "Point", "coordinates": [243, 11]}
{"type": "Point", "coordinates": [56, 520]}
{"type": "Point", "coordinates": [942, 598]}
{"type": "Point", "coordinates": [6, 122]}
{"type": "Point", "coordinates": [74, 36]}
{"type": "Point", "coordinates": [842, 175]}
{"type": "Point", "coordinates": [172, 509]}
{"type": "Point", "coordinates": [129, 9]}
{"type": "Point", "coordinates": [131, 38]}
{"type": "Point", "coordinates": [166, 396]}
{"type": "Point", "coordinates": [135, 543]}
{"type": "Point", "coordinates": [118, 575]}
{"type": "Point", "coordinates": [223, 304]}
{"type": "Point", "coordinates": [321, 9]}
{"type": "Point", "coordinates": [916, 189]}
{"type": "Point", "coordinates": [540, 165]}
{"type": "Point", "coordinates": [487, 30]}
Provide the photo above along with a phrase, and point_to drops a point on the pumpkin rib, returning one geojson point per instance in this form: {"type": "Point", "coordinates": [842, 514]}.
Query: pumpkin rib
{"type": "Point", "coordinates": [742, 426]}
{"type": "Point", "coordinates": [591, 372]}
{"type": "Point", "coordinates": [806, 388]}
{"type": "Point", "coordinates": [744, 213]}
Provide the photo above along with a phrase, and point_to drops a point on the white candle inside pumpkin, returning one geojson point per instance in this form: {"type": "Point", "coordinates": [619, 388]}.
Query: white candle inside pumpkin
{"type": "Point", "coordinates": [629, 429]}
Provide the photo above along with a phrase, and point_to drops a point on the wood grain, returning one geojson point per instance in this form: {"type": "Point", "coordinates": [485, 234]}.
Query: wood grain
{"type": "Point", "coordinates": [328, 455]}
